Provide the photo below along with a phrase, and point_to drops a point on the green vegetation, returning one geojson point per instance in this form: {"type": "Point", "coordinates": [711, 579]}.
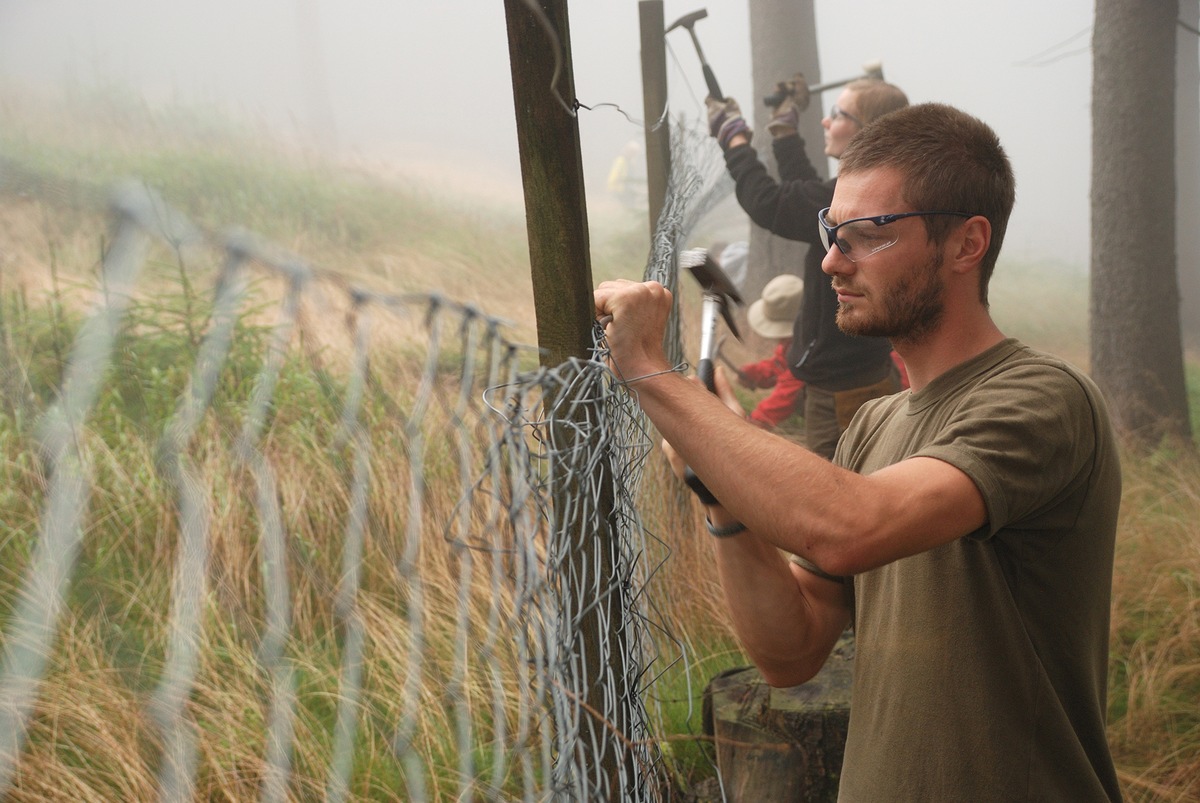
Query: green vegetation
{"type": "Point", "coordinates": [92, 734]}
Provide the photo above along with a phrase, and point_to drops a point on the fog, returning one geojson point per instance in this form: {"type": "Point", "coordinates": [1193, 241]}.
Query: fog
{"type": "Point", "coordinates": [424, 88]}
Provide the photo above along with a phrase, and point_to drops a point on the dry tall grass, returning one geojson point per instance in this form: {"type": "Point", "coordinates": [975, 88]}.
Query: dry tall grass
{"type": "Point", "coordinates": [1155, 668]}
{"type": "Point", "coordinates": [92, 737]}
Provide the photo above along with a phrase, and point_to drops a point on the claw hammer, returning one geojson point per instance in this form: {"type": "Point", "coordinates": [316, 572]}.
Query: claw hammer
{"type": "Point", "coordinates": [689, 21]}
{"type": "Point", "coordinates": [719, 294]}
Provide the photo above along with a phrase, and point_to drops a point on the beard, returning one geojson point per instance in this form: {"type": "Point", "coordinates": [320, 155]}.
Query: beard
{"type": "Point", "coordinates": [912, 308]}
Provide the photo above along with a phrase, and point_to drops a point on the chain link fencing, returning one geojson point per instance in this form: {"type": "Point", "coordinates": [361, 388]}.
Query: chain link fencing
{"type": "Point", "coordinates": [372, 549]}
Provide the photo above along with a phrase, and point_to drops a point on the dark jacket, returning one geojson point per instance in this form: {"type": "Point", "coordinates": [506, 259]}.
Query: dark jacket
{"type": "Point", "coordinates": [821, 354]}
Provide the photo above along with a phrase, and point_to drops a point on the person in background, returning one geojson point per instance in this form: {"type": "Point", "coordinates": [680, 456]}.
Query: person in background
{"type": "Point", "coordinates": [839, 372]}
{"type": "Point", "coordinates": [771, 317]}
{"type": "Point", "coordinates": [966, 526]}
{"type": "Point", "coordinates": [627, 176]}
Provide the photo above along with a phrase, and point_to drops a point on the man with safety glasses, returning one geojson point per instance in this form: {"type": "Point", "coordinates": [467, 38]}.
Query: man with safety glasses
{"type": "Point", "coordinates": [965, 526]}
{"type": "Point", "coordinates": [839, 372]}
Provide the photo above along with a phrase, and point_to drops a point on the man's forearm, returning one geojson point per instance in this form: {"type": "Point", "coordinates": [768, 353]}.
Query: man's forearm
{"type": "Point", "coordinates": [787, 629]}
{"type": "Point", "coordinates": [744, 466]}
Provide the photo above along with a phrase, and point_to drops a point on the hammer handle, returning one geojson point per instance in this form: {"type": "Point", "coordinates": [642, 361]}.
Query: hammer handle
{"type": "Point", "coordinates": [710, 78]}
{"type": "Point", "coordinates": [714, 89]}
{"type": "Point", "coordinates": [704, 370]}
{"type": "Point", "coordinates": [698, 487]}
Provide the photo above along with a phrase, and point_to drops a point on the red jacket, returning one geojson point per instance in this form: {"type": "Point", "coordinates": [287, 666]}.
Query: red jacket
{"type": "Point", "coordinates": [788, 390]}
{"type": "Point", "coordinates": [773, 373]}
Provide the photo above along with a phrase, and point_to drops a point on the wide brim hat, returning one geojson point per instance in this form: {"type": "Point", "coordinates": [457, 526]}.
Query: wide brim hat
{"type": "Point", "coordinates": [774, 314]}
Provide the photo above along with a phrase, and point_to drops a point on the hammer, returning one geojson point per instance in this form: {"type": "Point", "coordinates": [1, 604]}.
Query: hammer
{"type": "Point", "coordinates": [688, 21]}
{"type": "Point", "coordinates": [872, 69]}
{"type": "Point", "coordinates": [719, 293]}
{"type": "Point", "coordinates": [730, 364]}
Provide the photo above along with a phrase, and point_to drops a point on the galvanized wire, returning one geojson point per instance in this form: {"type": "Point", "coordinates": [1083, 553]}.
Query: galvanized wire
{"type": "Point", "coordinates": [698, 182]}
{"type": "Point", "coordinates": [544, 695]}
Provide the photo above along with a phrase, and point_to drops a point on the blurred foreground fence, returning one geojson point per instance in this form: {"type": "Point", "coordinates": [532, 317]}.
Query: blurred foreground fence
{"type": "Point", "coordinates": [329, 568]}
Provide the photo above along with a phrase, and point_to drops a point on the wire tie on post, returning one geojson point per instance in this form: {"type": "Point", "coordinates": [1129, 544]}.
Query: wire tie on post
{"type": "Point", "coordinates": [678, 369]}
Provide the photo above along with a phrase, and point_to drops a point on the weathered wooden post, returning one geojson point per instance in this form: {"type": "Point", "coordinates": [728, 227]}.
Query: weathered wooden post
{"type": "Point", "coordinates": [556, 219]}
{"type": "Point", "coordinates": [552, 176]}
{"type": "Point", "coordinates": [654, 106]}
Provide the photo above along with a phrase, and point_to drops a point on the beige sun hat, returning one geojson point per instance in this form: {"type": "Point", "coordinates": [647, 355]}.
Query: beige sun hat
{"type": "Point", "coordinates": [775, 312]}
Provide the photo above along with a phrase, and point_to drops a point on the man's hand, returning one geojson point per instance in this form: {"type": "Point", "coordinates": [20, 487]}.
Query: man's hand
{"type": "Point", "coordinates": [725, 392]}
{"type": "Point", "coordinates": [786, 117]}
{"type": "Point", "coordinates": [725, 120]}
{"type": "Point", "coordinates": [785, 120]}
{"type": "Point", "coordinates": [639, 311]}
{"type": "Point", "coordinates": [799, 91]}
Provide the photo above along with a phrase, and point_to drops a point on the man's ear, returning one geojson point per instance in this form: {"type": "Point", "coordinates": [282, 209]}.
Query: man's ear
{"type": "Point", "coordinates": [973, 240]}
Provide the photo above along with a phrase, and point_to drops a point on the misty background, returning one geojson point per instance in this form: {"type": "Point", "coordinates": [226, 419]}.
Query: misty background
{"type": "Point", "coordinates": [424, 89]}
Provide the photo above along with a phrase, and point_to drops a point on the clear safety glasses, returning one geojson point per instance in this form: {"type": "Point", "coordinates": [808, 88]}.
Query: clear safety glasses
{"type": "Point", "coordinates": [863, 236]}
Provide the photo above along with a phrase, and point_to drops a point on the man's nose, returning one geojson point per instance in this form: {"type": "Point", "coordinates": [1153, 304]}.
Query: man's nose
{"type": "Point", "coordinates": [835, 262]}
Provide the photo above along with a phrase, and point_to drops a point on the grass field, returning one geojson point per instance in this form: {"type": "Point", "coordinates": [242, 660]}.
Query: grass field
{"type": "Point", "coordinates": [401, 238]}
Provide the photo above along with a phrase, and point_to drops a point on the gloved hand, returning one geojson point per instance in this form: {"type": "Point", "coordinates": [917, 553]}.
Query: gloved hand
{"type": "Point", "coordinates": [786, 117]}
{"type": "Point", "coordinates": [747, 376]}
{"type": "Point", "coordinates": [725, 120]}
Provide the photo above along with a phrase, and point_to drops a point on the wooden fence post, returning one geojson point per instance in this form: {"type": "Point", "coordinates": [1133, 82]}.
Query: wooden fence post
{"type": "Point", "coordinates": [556, 219]}
{"type": "Point", "coordinates": [654, 107]}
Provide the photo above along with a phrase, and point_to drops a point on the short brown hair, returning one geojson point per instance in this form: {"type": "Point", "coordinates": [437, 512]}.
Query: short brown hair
{"type": "Point", "coordinates": [874, 98]}
{"type": "Point", "coordinates": [950, 161]}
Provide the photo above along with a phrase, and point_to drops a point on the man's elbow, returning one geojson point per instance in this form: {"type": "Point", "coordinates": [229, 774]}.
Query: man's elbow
{"type": "Point", "coordinates": [841, 562]}
{"type": "Point", "coordinates": [836, 556]}
{"type": "Point", "coordinates": [785, 675]}
{"type": "Point", "coordinates": [786, 667]}
{"type": "Point", "coordinates": [844, 549]}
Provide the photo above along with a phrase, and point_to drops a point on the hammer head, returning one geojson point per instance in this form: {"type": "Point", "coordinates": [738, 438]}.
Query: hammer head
{"type": "Point", "coordinates": [713, 282]}
{"type": "Point", "coordinates": [688, 20]}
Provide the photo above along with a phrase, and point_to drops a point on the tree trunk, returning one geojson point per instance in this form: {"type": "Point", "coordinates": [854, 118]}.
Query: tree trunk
{"type": "Point", "coordinates": [1136, 344]}
{"type": "Point", "coordinates": [783, 41]}
{"type": "Point", "coordinates": [1187, 167]}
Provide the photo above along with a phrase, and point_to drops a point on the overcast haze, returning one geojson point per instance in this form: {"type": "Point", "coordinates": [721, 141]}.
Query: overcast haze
{"type": "Point", "coordinates": [426, 86]}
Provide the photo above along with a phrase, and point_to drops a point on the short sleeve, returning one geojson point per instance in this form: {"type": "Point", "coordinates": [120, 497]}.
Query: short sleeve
{"type": "Point", "coordinates": [1026, 437]}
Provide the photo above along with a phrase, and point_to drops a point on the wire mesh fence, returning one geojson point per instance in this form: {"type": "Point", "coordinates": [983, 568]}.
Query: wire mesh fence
{"type": "Point", "coordinates": [368, 549]}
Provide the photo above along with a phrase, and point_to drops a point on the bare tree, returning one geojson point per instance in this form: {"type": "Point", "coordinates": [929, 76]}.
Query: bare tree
{"type": "Point", "coordinates": [1187, 166]}
{"type": "Point", "coordinates": [321, 117]}
{"type": "Point", "coordinates": [783, 41]}
{"type": "Point", "coordinates": [1137, 351]}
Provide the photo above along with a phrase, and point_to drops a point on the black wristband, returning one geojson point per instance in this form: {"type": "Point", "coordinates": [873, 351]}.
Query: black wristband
{"type": "Point", "coordinates": [699, 488]}
{"type": "Point", "coordinates": [724, 531]}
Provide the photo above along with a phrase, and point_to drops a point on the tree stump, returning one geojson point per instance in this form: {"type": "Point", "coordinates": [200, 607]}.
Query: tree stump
{"type": "Point", "coordinates": [781, 745]}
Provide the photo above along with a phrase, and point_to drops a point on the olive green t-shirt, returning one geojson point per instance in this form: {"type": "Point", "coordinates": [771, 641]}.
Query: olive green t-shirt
{"type": "Point", "coordinates": [981, 665]}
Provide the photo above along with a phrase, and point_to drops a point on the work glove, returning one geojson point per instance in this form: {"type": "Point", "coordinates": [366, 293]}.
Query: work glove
{"type": "Point", "coordinates": [786, 117]}
{"type": "Point", "coordinates": [725, 120]}
{"type": "Point", "coordinates": [798, 90]}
